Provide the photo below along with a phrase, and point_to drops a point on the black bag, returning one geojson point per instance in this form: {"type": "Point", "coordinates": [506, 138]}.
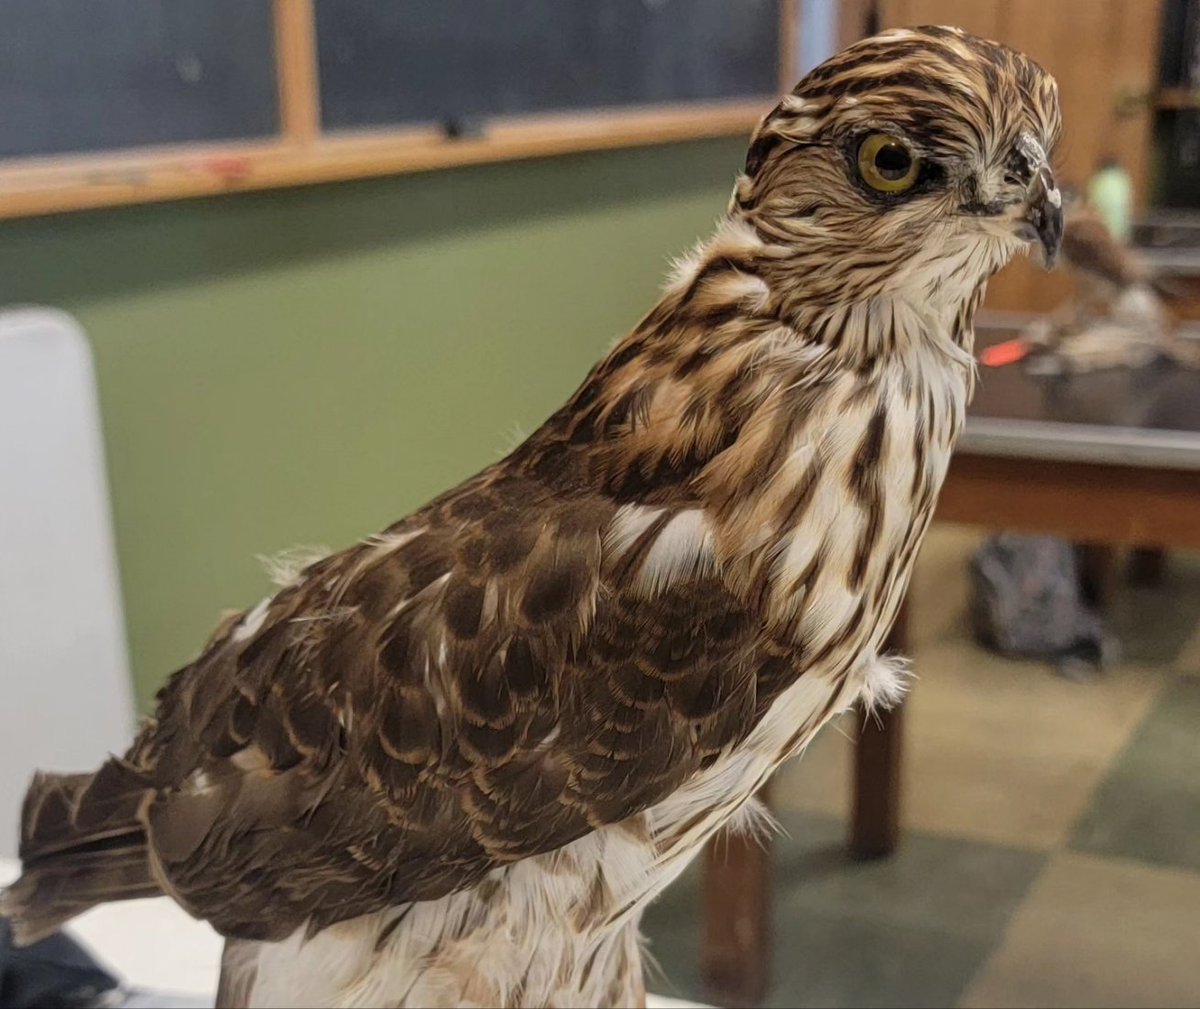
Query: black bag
{"type": "Point", "coordinates": [55, 973]}
{"type": "Point", "coordinates": [1027, 602]}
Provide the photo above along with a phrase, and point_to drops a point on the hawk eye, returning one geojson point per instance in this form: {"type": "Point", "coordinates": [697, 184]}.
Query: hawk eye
{"type": "Point", "coordinates": [886, 164]}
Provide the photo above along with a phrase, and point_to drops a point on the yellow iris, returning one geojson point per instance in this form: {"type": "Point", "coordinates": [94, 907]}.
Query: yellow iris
{"type": "Point", "coordinates": [886, 164]}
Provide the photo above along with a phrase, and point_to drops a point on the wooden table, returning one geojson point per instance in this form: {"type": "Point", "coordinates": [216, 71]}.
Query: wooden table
{"type": "Point", "coordinates": [1111, 459]}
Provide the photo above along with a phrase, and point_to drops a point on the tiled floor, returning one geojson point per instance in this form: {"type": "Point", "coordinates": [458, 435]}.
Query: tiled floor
{"type": "Point", "coordinates": [1052, 829]}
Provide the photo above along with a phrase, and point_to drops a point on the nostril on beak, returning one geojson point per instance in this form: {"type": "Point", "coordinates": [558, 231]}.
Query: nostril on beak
{"type": "Point", "coordinates": [1043, 216]}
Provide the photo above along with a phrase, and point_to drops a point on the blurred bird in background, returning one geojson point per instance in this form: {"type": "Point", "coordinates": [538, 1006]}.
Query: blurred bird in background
{"type": "Point", "coordinates": [450, 765]}
{"type": "Point", "coordinates": [1113, 281]}
{"type": "Point", "coordinates": [1118, 315]}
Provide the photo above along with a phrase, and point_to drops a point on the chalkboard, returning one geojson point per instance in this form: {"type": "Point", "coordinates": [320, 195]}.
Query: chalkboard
{"type": "Point", "coordinates": [90, 75]}
{"type": "Point", "coordinates": [1179, 48]}
{"type": "Point", "coordinates": [413, 61]}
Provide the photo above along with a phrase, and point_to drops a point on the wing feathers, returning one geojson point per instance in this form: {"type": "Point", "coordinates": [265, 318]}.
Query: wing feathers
{"type": "Point", "coordinates": [521, 661]}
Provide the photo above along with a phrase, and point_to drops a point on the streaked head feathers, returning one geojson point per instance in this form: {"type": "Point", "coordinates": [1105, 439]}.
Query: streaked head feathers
{"type": "Point", "coordinates": [960, 130]}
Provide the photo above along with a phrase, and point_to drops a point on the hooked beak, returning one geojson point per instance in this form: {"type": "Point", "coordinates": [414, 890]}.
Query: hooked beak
{"type": "Point", "coordinates": [1043, 217]}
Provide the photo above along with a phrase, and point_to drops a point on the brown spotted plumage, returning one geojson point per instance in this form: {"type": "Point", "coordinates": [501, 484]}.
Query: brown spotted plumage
{"type": "Point", "coordinates": [450, 765]}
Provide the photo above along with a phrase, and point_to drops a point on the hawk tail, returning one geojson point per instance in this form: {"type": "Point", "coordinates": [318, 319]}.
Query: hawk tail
{"type": "Point", "coordinates": [82, 844]}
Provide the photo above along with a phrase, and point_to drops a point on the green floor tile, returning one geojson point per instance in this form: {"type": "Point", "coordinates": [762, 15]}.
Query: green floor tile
{"type": "Point", "coordinates": [908, 931]}
{"type": "Point", "coordinates": [1148, 808]}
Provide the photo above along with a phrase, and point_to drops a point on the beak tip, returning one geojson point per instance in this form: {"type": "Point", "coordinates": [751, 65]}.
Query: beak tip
{"type": "Point", "coordinates": [1047, 218]}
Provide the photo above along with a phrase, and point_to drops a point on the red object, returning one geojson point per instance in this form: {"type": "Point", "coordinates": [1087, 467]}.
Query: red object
{"type": "Point", "coordinates": [1008, 352]}
{"type": "Point", "coordinates": [230, 167]}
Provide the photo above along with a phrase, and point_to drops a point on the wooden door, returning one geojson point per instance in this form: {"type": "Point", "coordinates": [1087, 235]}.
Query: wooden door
{"type": "Point", "coordinates": [1104, 54]}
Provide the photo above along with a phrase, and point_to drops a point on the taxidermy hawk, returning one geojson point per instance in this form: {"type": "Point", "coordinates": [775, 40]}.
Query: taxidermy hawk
{"type": "Point", "coordinates": [450, 765]}
{"type": "Point", "coordinates": [1116, 318]}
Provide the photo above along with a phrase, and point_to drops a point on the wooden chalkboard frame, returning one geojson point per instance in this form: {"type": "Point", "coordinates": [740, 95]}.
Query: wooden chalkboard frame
{"type": "Point", "coordinates": [302, 154]}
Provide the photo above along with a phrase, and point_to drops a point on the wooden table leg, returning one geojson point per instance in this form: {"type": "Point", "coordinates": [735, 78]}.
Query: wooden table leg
{"type": "Point", "coordinates": [1099, 572]}
{"type": "Point", "coordinates": [735, 955]}
{"type": "Point", "coordinates": [1147, 566]}
{"type": "Point", "coordinates": [875, 821]}
{"type": "Point", "coordinates": [875, 826]}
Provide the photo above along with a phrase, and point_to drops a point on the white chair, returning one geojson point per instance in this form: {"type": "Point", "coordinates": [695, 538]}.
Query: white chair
{"type": "Point", "coordinates": [65, 692]}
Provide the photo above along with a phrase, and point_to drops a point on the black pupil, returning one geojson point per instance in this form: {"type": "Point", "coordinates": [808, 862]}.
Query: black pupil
{"type": "Point", "coordinates": [893, 162]}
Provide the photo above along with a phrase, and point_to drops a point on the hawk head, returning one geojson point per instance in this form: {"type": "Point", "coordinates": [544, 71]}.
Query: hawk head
{"type": "Point", "coordinates": [915, 162]}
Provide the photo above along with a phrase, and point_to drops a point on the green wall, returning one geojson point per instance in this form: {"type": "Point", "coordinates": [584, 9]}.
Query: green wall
{"type": "Point", "coordinates": [305, 366]}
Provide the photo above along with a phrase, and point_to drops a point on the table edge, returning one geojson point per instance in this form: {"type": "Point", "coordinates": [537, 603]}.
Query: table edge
{"type": "Point", "coordinates": [1145, 448]}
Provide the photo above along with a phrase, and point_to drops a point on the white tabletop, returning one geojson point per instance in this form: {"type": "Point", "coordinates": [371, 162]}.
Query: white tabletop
{"type": "Point", "coordinates": [153, 945]}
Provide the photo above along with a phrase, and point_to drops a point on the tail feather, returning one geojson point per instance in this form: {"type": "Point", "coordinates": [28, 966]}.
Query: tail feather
{"type": "Point", "coordinates": [49, 895]}
{"type": "Point", "coordinates": [61, 810]}
{"type": "Point", "coordinates": [82, 844]}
